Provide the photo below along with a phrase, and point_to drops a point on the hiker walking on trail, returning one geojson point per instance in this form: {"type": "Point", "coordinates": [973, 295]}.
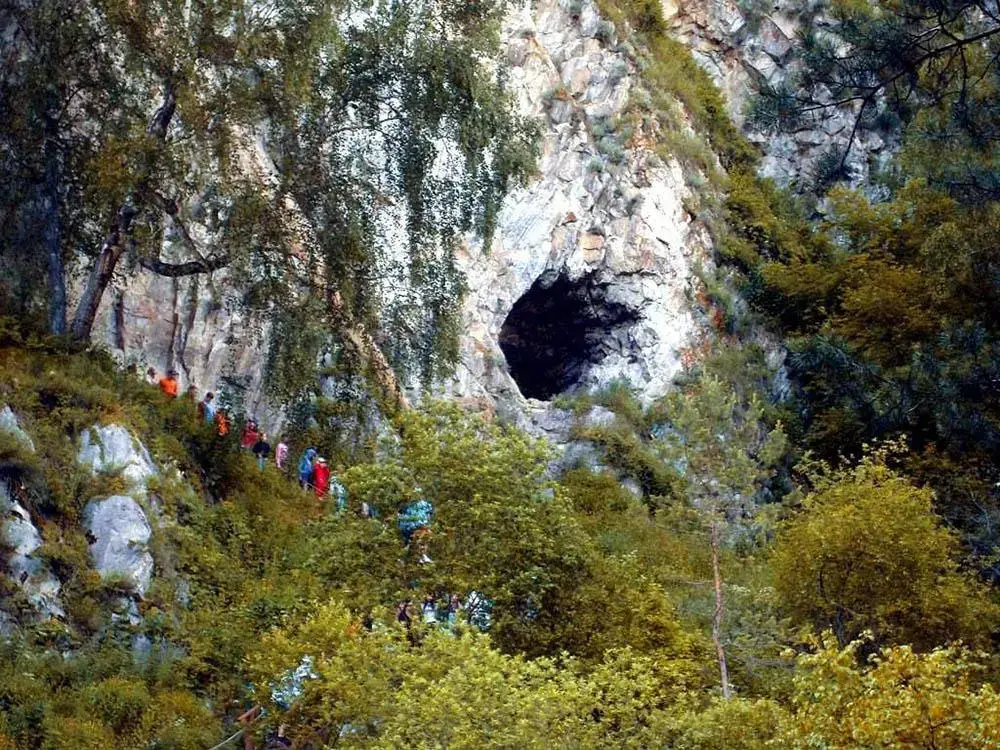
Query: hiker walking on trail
{"type": "Point", "coordinates": [306, 468]}
{"type": "Point", "coordinates": [281, 454]}
{"type": "Point", "coordinates": [250, 435]}
{"type": "Point", "coordinates": [223, 422]}
{"type": "Point", "coordinates": [338, 491]}
{"type": "Point", "coordinates": [169, 384]}
{"type": "Point", "coordinates": [429, 610]}
{"type": "Point", "coordinates": [321, 477]}
{"type": "Point", "coordinates": [414, 521]}
{"type": "Point", "coordinates": [206, 407]}
{"type": "Point", "coordinates": [454, 607]}
{"type": "Point", "coordinates": [151, 377]}
{"type": "Point", "coordinates": [262, 449]}
{"type": "Point", "coordinates": [191, 393]}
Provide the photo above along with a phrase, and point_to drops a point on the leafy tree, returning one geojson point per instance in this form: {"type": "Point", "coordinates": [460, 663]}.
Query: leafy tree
{"type": "Point", "coordinates": [900, 699]}
{"type": "Point", "coordinates": [276, 144]}
{"type": "Point", "coordinates": [717, 443]}
{"type": "Point", "coordinates": [868, 554]}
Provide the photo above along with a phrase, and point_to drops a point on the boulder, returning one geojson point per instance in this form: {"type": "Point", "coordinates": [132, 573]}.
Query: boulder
{"type": "Point", "coordinates": [111, 449]}
{"type": "Point", "coordinates": [21, 536]}
{"type": "Point", "coordinates": [120, 533]}
{"type": "Point", "coordinates": [9, 424]}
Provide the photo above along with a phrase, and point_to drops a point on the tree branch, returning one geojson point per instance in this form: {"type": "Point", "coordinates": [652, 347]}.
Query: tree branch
{"type": "Point", "coordinates": [189, 268]}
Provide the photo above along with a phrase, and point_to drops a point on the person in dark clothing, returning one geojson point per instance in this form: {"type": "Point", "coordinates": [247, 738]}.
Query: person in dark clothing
{"type": "Point", "coordinates": [262, 449]}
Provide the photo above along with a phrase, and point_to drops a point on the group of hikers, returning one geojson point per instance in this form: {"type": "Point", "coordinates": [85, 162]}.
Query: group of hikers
{"type": "Point", "coordinates": [314, 471]}
{"type": "Point", "coordinates": [441, 609]}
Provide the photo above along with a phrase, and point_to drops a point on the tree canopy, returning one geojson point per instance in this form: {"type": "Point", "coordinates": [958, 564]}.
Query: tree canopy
{"type": "Point", "coordinates": [333, 151]}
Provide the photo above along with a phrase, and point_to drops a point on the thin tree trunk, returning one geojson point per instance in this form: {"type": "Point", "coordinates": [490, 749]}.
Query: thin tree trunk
{"type": "Point", "coordinates": [717, 614]}
{"type": "Point", "coordinates": [52, 230]}
{"type": "Point", "coordinates": [97, 282]}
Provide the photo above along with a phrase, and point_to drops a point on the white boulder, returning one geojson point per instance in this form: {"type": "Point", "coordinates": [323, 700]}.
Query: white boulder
{"type": "Point", "coordinates": [111, 449]}
{"type": "Point", "coordinates": [119, 533]}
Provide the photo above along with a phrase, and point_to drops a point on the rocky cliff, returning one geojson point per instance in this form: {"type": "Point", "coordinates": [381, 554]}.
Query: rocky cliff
{"type": "Point", "coordinates": [591, 273]}
{"type": "Point", "coordinates": [747, 44]}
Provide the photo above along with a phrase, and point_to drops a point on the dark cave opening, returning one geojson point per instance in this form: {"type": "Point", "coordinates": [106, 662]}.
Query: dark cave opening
{"type": "Point", "coordinates": [557, 331]}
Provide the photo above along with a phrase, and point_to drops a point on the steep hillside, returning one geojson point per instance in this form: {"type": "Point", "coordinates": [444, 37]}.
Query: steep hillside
{"type": "Point", "coordinates": [628, 374]}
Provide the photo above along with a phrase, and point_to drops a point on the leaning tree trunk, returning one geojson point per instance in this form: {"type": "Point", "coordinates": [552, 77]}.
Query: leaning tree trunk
{"type": "Point", "coordinates": [720, 652]}
{"type": "Point", "coordinates": [113, 248]}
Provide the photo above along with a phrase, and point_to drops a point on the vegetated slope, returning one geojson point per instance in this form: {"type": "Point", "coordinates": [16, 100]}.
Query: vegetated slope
{"type": "Point", "coordinates": [598, 631]}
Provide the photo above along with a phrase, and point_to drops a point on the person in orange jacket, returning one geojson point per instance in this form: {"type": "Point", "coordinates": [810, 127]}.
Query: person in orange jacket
{"type": "Point", "coordinates": [222, 422]}
{"type": "Point", "coordinates": [321, 477]}
{"type": "Point", "coordinates": [169, 384]}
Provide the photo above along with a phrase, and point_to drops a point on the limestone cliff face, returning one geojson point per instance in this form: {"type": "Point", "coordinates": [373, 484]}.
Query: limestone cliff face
{"type": "Point", "coordinates": [589, 278]}
{"type": "Point", "coordinates": [608, 243]}
{"type": "Point", "coordinates": [747, 44]}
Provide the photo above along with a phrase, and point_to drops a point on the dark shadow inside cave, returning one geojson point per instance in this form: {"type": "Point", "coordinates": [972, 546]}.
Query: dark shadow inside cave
{"type": "Point", "coordinates": [557, 330]}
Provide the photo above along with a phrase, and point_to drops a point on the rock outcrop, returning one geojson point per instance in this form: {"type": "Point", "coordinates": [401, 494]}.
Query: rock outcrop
{"type": "Point", "coordinates": [9, 424]}
{"type": "Point", "coordinates": [605, 219]}
{"type": "Point", "coordinates": [111, 449]}
{"type": "Point", "coordinates": [745, 45]}
{"type": "Point", "coordinates": [117, 527]}
{"type": "Point", "coordinates": [22, 539]}
{"type": "Point", "coordinates": [601, 239]}
{"type": "Point", "coordinates": [24, 567]}
{"type": "Point", "coordinates": [120, 532]}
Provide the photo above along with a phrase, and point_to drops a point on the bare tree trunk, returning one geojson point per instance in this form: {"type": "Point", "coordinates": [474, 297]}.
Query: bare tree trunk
{"type": "Point", "coordinates": [97, 282]}
{"type": "Point", "coordinates": [717, 614]}
{"type": "Point", "coordinates": [112, 248]}
{"type": "Point", "coordinates": [52, 230]}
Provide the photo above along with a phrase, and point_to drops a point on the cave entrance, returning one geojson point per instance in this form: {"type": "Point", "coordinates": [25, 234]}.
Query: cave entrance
{"type": "Point", "coordinates": [558, 330]}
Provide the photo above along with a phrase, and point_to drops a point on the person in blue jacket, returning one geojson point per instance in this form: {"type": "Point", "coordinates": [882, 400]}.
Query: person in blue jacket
{"type": "Point", "coordinates": [306, 468]}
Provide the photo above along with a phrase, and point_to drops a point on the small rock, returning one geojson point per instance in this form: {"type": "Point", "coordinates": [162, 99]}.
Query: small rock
{"type": "Point", "coordinates": [775, 43]}
{"type": "Point", "coordinates": [10, 424]}
{"type": "Point", "coordinates": [24, 568]}
{"type": "Point", "coordinates": [591, 241]}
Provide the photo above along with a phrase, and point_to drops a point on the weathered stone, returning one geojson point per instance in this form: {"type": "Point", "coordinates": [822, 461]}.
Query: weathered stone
{"type": "Point", "coordinates": [9, 424]}
{"type": "Point", "coordinates": [591, 241]}
{"type": "Point", "coordinates": [111, 449]}
{"type": "Point", "coordinates": [558, 73]}
{"type": "Point", "coordinates": [121, 533]}
{"type": "Point", "coordinates": [773, 39]}
{"type": "Point", "coordinates": [24, 567]}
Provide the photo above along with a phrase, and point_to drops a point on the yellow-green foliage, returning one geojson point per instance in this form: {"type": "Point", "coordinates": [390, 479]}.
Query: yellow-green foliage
{"type": "Point", "coordinates": [867, 553]}
{"type": "Point", "coordinates": [601, 611]}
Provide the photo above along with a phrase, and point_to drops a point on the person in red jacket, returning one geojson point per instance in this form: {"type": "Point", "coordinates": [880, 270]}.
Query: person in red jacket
{"type": "Point", "coordinates": [321, 477]}
{"type": "Point", "coordinates": [250, 435]}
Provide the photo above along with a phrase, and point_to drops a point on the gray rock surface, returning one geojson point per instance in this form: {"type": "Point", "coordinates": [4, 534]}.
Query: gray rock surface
{"type": "Point", "coordinates": [745, 45]}
{"type": "Point", "coordinates": [120, 532]}
{"type": "Point", "coordinates": [24, 567]}
{"type": "Point", "coordinates": [111, 449]}
{"type": "Point", "coordinates": [23, 539]}
{"type": "Point", "coordinates": [10, 424]}
{"type": "Point", "coordinates": [601, 209]}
